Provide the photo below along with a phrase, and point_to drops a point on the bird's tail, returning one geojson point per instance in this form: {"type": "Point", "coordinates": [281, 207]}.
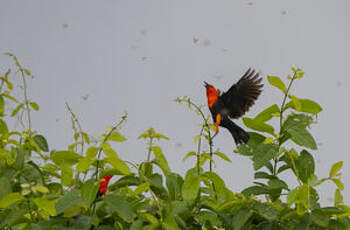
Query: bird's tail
{"type": "Point", "coordinates": [239, 135]}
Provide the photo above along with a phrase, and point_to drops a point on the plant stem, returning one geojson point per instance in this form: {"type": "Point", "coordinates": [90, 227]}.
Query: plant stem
{"type": "Point", "coordinates": [26, 102]}
{"type": "Point", "coordinates": [199, 149]}
{"type": "Point", "coordinates": [75, 119]}
{"type": "Point", "coordinates": [210, 150]}
{"type": "Point", "coordinates": [104, 140]}
{"type": "Point", "coordinates": [275, 159]}
{"type": "Point", "coordinates": [149, 149]}
{"type": "Point", "coordinates": [210, 141]}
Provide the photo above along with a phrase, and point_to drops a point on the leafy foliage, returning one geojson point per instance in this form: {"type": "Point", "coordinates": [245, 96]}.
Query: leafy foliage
{"type": "Point", "coordinates": [43, 189]}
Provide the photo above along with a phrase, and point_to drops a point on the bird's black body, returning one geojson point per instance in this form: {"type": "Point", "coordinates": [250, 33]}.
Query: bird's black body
{"type": "Point", "coordinates": [234, 103]}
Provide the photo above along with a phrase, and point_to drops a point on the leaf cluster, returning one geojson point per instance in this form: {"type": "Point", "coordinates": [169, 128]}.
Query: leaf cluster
{"type": "Point", "coordinates": [58, 189]}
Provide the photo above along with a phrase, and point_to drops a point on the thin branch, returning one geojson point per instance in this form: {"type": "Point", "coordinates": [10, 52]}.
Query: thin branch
{"type": "Point", "coordinates": [26, 102]}
{"type": "Point", "coordinates": [75, 119]}
{"type": "Point", "coordinates": [149, 149]}
{"type": "Point", "coordinates": [210, 141]}
{"type": "Point", "coordinates": [199, 149]}
{"type": "Point", "coordinates": [275, 159]}
{"type": "Point", "coordinates": [210, 138]}
{"type": "Point", "coordinates": [105, 139]}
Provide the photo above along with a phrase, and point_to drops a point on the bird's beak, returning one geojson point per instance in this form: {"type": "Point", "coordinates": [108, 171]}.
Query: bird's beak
{"type": "Point", "coordinates": [206, 85]}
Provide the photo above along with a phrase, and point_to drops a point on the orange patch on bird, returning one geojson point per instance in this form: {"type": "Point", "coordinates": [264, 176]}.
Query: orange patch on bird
{"type": "Point", "coordinates": [212, 96]}
{"type": "Point", "coordinates": [217, 122]}
{"type": "Point", "coordinates": [104, 184]}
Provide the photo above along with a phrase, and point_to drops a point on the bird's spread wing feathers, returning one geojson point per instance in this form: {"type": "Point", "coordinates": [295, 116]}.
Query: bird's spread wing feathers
{"type": "Point", "coordinates": [242, 95]}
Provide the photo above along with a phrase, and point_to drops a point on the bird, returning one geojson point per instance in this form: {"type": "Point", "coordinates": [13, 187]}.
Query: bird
{"type": "Point", "coordinates": [234, 103]}
{"type": "Point", "coordinates": [102, 189]}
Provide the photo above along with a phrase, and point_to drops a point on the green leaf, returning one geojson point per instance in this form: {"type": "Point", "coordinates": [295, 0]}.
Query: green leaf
{"type": "Point", "coordinates": [206, 217]}
{"type": "Point", "coordinates": [7, 156]}
{"type": "Point", "coordinates": [174, 183]}
{"type": "Point", "coordinates": [150, 218]}
{"type": "Point", "coordinates": [46, 205]}
{"type": "Point", "coordinates": [338, 183]}
{"type": "Point", "coordinates": [299, 75]}
{"type": "Point", "coordinates": [91, 152]}
{"type": "Point", "coordinates": [117, 137]}
{"type": "Point", "coordinates": [10, 199]}
{"type": "Point", "coordinates": [296, 102]}
{"type": "Point", "coordinates": [21, 154]}
{"type": "Point", "coordinates": [222, 156]}
{"type": "Point", "coordinates": [304, 197]}
{"type": "Point", "coordinates": [338, 198]}
{"type": "Point", "coordinates": [277, 184]}
{"type": "Point", "coordinates": [240, 218]}
{"type": "Point", "coordinates": [292, 196]}
{"type": "Point", "coordinates": [265, 210]}
{"type": "Point", "coordinates": [305, 165]}
{"type": "Point", "coordinates": [335, 169]}
{"type": "Point", "coordinates": [65, 157]}
{"type": "Point", "coordinates": [258, 125]}
{"type": "Point", "coordinates": [255, 190]}
{"type": "Point", "coordinates": [66, 174]}
{"type": "Point", "coordinates": [3, 127]}
{"type": "Point", "coordinates": [119, 205]}
{"type": "Point", "coordinates": [277, 82]}
{"type": "Point", "coordinates": [301, 136]}
{"type": "Point", "coordinates": [85, 137]}
{"type": "Point", "coordinates": [189, 155]}
{"type": "Point", "coordinates": [263, 175]}
{"type": "Point", "coordinates": [15, 111]}
{"type": "Point", "coordinates": [41, 142]}
{"type": "Point", "coordinates": [157, 186]}
{"type": "Point", "coordinates": [314, 181]}
{"type": "Point", "coordinates": [115, 161]}
{"type": "Point", "coordinates": [141, 188]}
{"type": "Point", "coordinates": [5, 185]}
{"type": "Point", "coordinates": [84, 164]}
{"type": "Point", "coordinates": [267, 114]}
{"type": "Point", "coordinates": [204, 157]}
{"type": "Point", "coordinates": [89, 191]}
{"type": "Point", "coordinates": [69, 200]}
{"type": "Point", "coordinates": [34, 105]}
{"type": "Point", "coordinates": [218, 184]}
{"type": "Point", "coordinates": [26, 71]}
{"type": "Point", "coordinates": [191, 185]}
{"type": "Point", "coordinates": [137, 225]}
{"type": "Point", "coordinates": [303, 222]}
{"type": "Point", "coordinates": [263, 154]}
{"type": "Point", "coordinates": [160, 136]}
{"type": "Point", "coordinates": [160, 159]}
{"type": "Point", "coordinates": [2, 105]}
{"type": "Point", "coordinates": [13, 218]}
{"type": "Point", "coordinates": [145, 169]}
{"type": "Point", "coordinates": [248, 149]}
{"type": "Point", "coordinates": [320, 218]}
{"type": "Point", "coordinates": [40, 188]}
{"type": "Point", "coordinates": [283, 168]}
{"type": "Point", "coordinates": [306, 106]}
{"type": "Point", "coordinates": [196, 138]}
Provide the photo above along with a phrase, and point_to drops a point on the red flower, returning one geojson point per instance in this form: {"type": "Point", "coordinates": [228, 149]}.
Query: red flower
{"type": "Point", "coordinates": [104, 184]}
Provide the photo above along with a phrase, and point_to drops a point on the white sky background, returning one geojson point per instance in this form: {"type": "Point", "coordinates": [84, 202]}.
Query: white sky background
{"type": "Point", "coordinates": [104, 57]}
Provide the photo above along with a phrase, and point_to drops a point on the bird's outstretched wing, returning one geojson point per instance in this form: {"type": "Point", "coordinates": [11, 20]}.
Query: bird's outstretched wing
{"type": "Point", "coordinates": [242, 95]}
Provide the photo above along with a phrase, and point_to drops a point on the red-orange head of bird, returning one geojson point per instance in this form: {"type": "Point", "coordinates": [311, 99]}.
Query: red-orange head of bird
{"type": "Point", "coordinates": [212, 94]}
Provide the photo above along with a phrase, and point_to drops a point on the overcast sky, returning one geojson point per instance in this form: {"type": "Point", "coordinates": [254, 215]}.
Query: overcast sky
{"type": "Point", "coordinates": [105, 57]}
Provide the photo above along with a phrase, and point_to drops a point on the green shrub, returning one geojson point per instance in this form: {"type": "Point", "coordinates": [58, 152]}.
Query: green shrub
{"type": "Point", "coordinates": [61, 189]}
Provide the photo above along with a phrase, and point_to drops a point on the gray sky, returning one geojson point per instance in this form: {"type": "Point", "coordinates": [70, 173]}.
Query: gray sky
{"type": "Point", "coordinates": [104, 57]}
